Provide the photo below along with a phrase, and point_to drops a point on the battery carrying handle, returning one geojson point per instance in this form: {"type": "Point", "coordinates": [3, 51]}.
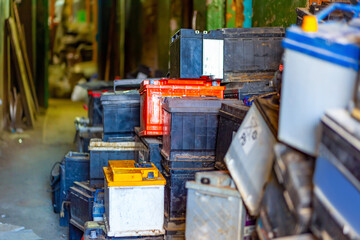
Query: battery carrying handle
{"type": "Point", "coordinates": [338, 6]}
{"type": "Point", "coordinates": [96, 194]}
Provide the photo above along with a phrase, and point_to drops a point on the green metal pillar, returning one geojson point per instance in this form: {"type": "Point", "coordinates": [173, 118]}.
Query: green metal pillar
{"type": "Point", "coordinates": [209, 14]}
{"type": "Point", "coordinates": [273, 13]}
{"type": "Point", "coordinates": [42, 51]}
{"type": "Point", "coordinates": [4, 88]}
{"type": "Point", "coordinates": [163, 34]}
{"type": "Point", "coordinates": [215, 16]}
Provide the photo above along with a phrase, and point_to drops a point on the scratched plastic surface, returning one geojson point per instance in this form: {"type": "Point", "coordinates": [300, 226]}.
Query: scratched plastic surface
{"type": "Point", "coordinates": [251, 153]}
{"type": "Point", "coordinates": [153, 94]}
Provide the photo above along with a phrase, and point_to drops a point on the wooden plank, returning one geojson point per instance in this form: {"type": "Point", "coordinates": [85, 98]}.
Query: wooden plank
{"type": "Point", "coordinates": [22, 38]}
{"type": "Point", "coordinates": [28, 103]}
{"type": "Point", "coordinates": [6, 75]}
{"type": "Point", "coordinates": [95, 30]}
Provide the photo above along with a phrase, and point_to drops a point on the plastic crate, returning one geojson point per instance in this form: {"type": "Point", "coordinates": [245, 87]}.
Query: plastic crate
{"type": "Point", "coordinates": [150, 151]}
{"type": "Point", "coordinates": [154, 92]}
{"type": "Point", "coordinates": [100, 154]}
{"type": "Point", "coordinates": [190, 127]}
{"type": "Point", "coordinates": [231, 117]}
{"type": "Point", "coordinates": [194, 54]}
{"type": "Point", "coordinates": [251, 50]}
{"type": "Point", "coordinates": [121, 113]}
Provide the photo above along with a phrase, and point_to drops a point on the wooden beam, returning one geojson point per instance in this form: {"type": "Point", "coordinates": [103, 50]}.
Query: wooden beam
{"type": "Point", "coordinates": [22, 38]}
{"type": "Point", "coordinates": [28, 103]}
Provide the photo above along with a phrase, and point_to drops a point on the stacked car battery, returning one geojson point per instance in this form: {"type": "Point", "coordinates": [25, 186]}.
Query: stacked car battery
{"type": "Point", "coordinates": [79, 195]}
{"type": "Point", "coordinates": [299, 199]}
{"type": "Point", "coordinates": [91, 127]}
{"type": "Point", "coordinates": [134, 199]}
{"type": "Point", "coordinates": [191, 145]}
{"type": "Point", "coordinates": [337, 177]}
{"type": "Point", "coordinates": [120, 115]}
{"type": "Point", "coordinates": [252, 56]}
{"type": "Point", "coordinates": [189, 142]}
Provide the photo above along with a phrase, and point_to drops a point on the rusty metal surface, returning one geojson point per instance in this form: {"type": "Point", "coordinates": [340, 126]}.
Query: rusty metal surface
{"type": "Point", "coordinates": [247, 76]}
{"type": "Point", "coordinates": [97, 144]}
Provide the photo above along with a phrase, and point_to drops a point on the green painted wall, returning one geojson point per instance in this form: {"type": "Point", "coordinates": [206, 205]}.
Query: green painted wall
{"type": "Point", "coordinates": [273, 13]}
{"type": "Point", "coordinates": [4, 13]}
{"type": "Point", "coordinates": [210, 14]}
{"type": "Point", "coordinates": [163, 34]}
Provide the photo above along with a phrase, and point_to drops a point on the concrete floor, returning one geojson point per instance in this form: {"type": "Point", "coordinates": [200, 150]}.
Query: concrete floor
{"type": "Point", "coordinates": [25, 163]}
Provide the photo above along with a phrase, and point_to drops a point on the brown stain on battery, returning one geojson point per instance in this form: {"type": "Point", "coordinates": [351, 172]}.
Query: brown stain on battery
{"type": "Point", "coordinates": [248, 77]}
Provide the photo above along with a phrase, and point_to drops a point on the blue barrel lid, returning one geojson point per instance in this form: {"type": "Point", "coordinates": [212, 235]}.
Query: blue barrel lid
{"type": "Point", "coordinates": [335, 42]}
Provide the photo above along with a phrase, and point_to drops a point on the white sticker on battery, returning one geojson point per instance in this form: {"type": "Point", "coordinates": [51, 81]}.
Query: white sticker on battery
{"type": "Point", "coordinates": [249, 134]}
{"type": "Point", "coordinates": [213, 58]}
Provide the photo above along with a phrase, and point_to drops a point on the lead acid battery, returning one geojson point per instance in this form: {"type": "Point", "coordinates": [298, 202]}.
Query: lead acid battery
{"type": "Point", "coordinates": [215, 209]}
{"type": "Point", "coordinates": [325, 79]}
{"type": "Point", "coordinates": [134, 199]}
{"type": "Point", "coordinates": [251, 153]}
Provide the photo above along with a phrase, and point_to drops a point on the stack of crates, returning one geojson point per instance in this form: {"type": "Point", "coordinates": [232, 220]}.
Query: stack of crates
{"type": "Point", "coordinates": [119, 115]}
{"type": "Point", "coordinates": [299, 198]}
{"type": "Point", "coordinates": [153, 94]}
{"type": "Point", "coordinates": [189, 142]}
{"type": "Point", "coordinates": [152, 128]}
{"type": "Point", "coordinates": [121, 111]}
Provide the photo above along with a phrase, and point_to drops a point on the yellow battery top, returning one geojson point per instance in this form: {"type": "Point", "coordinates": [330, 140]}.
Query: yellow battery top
{"type": "Point", "coordinates": [125, 173]}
